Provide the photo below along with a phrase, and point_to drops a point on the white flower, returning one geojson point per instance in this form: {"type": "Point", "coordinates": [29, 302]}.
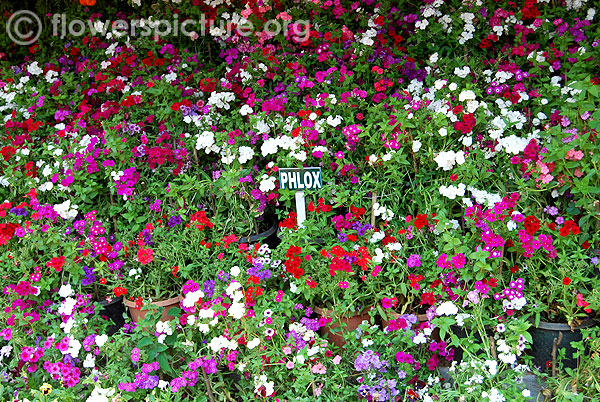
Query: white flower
{"type": "Point", "coordinates": [74, 348]}
{"type": "Point", "coordinates": [246, 154]}
{"type": "Point", "coordinates": [416, 145]}
{"type": "Point", "coordinates": [191, 298]}
{"type": "Point", "coordinates": [65, 211]}
{"type": "Point", "coordinates": [236, 310]}
{"type": "Point", "coordinates": [101, 394]}
{"type": "Point", "coordinates": [269, 147]}
{"type": "Point", "coordinates": [34, 69]}
{"type": "Point", "coordinates": [67, 306]}
{"type": "Point", "coordinates": [253, 343]}
{"type": "Point", "coordinates": [235, 271]}
{"type": "Point", "coordinates": [101, 340]}
{"type": "Point", "coordinates": [246, 110]}
{"type": "Point", "coordinates": [90, 361]}
{"type": "Point", "coordinates": [65, 291]}
{"type": "Point", "coordinates": [232, 287]}
{"type": "Point", "coordinates": [446, 308]}
{"type": "Point", "coordinates": [267, 183]}
{"type": "Point", "coordinates": [433, 58]}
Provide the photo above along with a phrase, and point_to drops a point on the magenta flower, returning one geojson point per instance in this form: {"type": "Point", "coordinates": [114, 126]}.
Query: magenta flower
{"type": "Point", "coordinates": [414, 261]}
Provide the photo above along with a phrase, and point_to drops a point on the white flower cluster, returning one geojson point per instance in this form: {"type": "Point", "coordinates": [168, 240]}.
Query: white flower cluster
{"type": "Point", "coordinates": [271, 146]}
{"type": "Point", "coordinates": [483, 197]}
{"type": "Point", "coordinates": [385, 213]}
{"type": "Point", "coordinates": [206, 141]}
{"type": "Point", "coordinates": [66, 211]}
{"type": "Point", "coordinates": [446, 308]}
{"type": "Point", "coordinates": [462, 72]}
{"type": "Point", "coordinates": [246, 110]}
{"type": "Point", "coordinates": [379, 254]}
{"type": "Point", "coordinates": [165, 329]}
{"type": "Point", "coordinates": [447, 159]}
{"type": "Point", "coordinates": [221, 342]}
{"type": "Point", "coordinates": [236, 310]}
{"type": "Point", "coordinates": [191, 298]}
{"type": "Point", "coordinates": [267, 183]}
{"type": "Point", "coordinates": [221, 99]}
{"type": "Point", "coordinates": [469, 28]}
{"type": "Point", "coordinates": [34, 69]}
{"type": "Point", "coordinates": [367, 38]}
{"type": "Point", "coordinates": [246, 154]}
{"type": "Point", "coordinates": [263, 381]}
{"type": "Point", "coordinates": [512, 144]}
{"type": "Point", "coordinates": [452, 191]}
{"type": "Point", "coordinates": [334, 121]}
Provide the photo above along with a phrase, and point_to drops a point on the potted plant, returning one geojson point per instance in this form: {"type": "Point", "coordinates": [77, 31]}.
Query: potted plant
{"type": "Point", "coordinates": [152, 270]}
{"type": "Point", "coordinates": [336, 277]}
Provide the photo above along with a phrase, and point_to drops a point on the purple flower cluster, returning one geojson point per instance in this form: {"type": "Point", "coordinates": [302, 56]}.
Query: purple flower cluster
{"type": "Point", "coordinates": [89, 276]}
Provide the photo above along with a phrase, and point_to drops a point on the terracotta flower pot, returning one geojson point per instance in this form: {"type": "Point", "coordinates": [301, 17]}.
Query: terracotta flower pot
{"type": "Point", "coordinates": [139, 314]}
{"type": "Point", "coordinates": [351, 322]}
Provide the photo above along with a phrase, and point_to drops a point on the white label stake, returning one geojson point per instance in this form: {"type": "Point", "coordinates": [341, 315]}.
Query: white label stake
{"type": "Point", "coordinates": [300, 208]}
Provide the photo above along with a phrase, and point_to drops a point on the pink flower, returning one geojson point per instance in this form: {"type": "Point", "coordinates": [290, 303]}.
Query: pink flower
{"type": "Point", "coordinates": [337, 360]}
{"type": "Point", "coordinates": [287, 350]}
{"type": "Point", "coordinates": [318, 369]}
{"type": "Point", "coordinates": [289, 365]}
{"type": "Point", "coordinates": [343, 284]}
{"type": "Point", "coordinates": [6, 334]}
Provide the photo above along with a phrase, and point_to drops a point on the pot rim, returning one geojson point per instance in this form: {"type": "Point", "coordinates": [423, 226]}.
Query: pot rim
{"type": "Point", "coordinates": [563, 326]}
{"type": "Point", "coordinates": [114, 300]}
{"type": "Point", "coordinates": [160, 303]}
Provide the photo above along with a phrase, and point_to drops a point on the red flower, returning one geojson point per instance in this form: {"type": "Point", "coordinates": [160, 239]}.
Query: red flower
{"type": "Point", "coordinates": [145, 255]}
{"type": "Point", "coordinates": [532, 225]}
{"type": "Point", "coordinates": [421, 221]}
{"type": "Point", "coordinates": [56, 263]}
{"type": "Point", "coordinates": [566, 281]}
{"type": "Point", "coordinates": [119, 291]}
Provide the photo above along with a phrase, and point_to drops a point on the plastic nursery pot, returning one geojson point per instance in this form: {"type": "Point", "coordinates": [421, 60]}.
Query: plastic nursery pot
{"type": "Point", "coordinates": [461, 333]}
{"type": "Point", "coordinates": [351, 322]}
{"type": "Point", "coordinates": [139, 315]}
{"type": "Point", "coordinates": [113, 310]}
{"type": "Point", "coordinates": [547, 333]}
{"type": "Point", "coordinates": [269, 236]}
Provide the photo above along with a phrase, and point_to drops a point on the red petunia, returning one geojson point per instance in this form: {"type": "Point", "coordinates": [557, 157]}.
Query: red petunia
{"type": "Point", "coordinates": [566, 281]}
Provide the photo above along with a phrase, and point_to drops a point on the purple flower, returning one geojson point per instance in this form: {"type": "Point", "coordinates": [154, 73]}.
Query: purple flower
{"type": "Point", "coordinates": [414, 261]}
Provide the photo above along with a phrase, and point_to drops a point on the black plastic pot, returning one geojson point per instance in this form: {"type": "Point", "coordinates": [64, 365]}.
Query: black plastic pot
{"type": "Point", "coordinates": [268, 237]}
{"type": "Point", "coordinates": [543, 342]}
{"type": "Point", "coordinates": [113, 311]}
{"type": "Point", "coordinates": [461, 333]}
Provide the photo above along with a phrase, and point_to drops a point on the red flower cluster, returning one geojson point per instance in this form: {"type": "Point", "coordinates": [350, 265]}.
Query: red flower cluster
{"type": "Point", "coordinates": [292, 264]}
{"type": "Point", "coordinates": [467, 124]}
{"type": "Point", "coordinates": [201, 220]}
{"type": "Point", "coordinates": [290, 222]}
{"type": "Point", "coordinates": [56, 263]}
{"type": "Point", "coordinates": [531, 224]}
{"type": "Point", "coordinates": [322, 207]}
{"type": "Point", "coordinates": [7, 230]}
{"type": "Point", "coordinates": [119, 291]}
{"type": "Point", "coordinates": [571, 227]}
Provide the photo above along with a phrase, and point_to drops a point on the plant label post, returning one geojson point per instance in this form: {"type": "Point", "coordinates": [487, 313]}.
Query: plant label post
{"type": "Point", "coordinates": [299, 180]}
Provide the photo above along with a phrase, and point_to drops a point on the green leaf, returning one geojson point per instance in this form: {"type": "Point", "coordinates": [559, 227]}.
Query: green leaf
{"type": "Point", "coordinates": [163, 362]}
